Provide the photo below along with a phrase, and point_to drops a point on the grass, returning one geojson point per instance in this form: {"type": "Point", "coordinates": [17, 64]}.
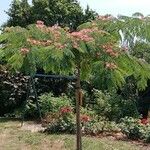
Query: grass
{"type": "Point", "coordinates": [12, 137]}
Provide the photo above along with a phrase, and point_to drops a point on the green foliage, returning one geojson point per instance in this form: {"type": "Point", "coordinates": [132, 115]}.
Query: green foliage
{"type": "Point", "coordinates": [133, 129]}
{"type": "Point", "coordinates": [94, 49]}
{"type": "Point", "coordinates": [49, 103]}
{"type": "Point", "coordinates": [59, 117]}
{"type": "Point", "coordinates": [91, 125]}
{"type": "Point", "coordinates": [64, 124]}
{"type": "Point", "coordinates": [12, 91]}
{"type": "Point", "coordinates": [113, 106]}
{"type": "Point", "coordinates": [19, 13]}
{"type": "Point", "coordinates": [88, 111]}
{"type": "Point", "coordinates": [62, 12]}
{"type": "Point", "coordinates": [63, 120]}
{"type": "Point", "coordinates": [101, 126]}
{"type": "Point", "coordinates": [136, 44]}
{"type": "Point", "coordinates": [147, 135]}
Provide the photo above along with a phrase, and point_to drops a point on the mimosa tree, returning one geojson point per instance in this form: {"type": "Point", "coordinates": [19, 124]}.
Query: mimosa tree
{"type": "Point", "coordinates": [90, 54]}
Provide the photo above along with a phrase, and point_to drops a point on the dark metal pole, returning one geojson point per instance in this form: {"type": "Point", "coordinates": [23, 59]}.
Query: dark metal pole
{"type": "Point", "coordinates": [36, 98]}
{"type": "Point", "coordinates": [78, 121]}
{"type": "Point", "coordinates": [25, 103]}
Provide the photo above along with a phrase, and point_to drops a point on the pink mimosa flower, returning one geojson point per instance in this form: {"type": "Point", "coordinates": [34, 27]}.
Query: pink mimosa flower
{"type": "Point", "coordinates": [24, 51]}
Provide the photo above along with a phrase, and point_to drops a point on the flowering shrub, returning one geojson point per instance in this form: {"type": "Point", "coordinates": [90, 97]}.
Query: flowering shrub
{"type": "Point", "coordinates": [133, 128]}
{"type": "Point", "coordinates": [83, 35]}
{"type": "Point", "coordinates": [109, 50]}
{"type": "Point", "coordinates": [49, 103]}
{"type": "Point", "coordinates": [105, 18]}
{"type": "Point", "coordinates": [65, 122]}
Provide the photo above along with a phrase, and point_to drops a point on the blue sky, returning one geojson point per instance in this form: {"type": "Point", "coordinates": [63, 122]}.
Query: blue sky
{"type": "Point", "coordinates": [115, 7]}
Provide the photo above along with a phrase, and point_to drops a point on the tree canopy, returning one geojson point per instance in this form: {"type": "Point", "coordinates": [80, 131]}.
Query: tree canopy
{"type": "Point", "coordinates": [62, 12]}
{"type": "Point", "coordinates": [93, 48]}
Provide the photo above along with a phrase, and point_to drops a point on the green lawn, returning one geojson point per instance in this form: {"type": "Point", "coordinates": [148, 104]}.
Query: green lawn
{"type": "Point", "coordinates": [12, 137]}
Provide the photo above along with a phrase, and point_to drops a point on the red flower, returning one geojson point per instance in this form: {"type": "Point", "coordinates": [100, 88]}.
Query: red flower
{"type": "Point", "coordinates": [85, 118]}
{"type": "Point", "coordinates": [144, 121]}
{"type": "Point", "coordinates": [65, 110]}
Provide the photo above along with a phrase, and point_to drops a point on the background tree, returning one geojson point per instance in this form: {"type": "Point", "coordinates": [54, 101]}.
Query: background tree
{"type": "Point", "coordinates": [62, 12]}
{"type": "Point", "coordinates": [19, 13]}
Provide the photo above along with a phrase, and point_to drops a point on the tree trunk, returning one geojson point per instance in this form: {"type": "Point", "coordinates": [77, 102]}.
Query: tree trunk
{"type": "Point", "coordinates": [78, 101]}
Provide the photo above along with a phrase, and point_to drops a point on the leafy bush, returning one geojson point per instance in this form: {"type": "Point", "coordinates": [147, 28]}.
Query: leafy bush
{"type": "Point", "coordinates": [48, 104]}
{"type": "Point", "coordinates": [113, 107]}
{"type": "Point", "coordinates": [64, 119]}
{"type": "Point", "coordinates": [12, 91]}
{"type": "Point", "coordinates": [64, 122]}
{"type": "Point", "coordinates": [60, 117]}
{"type": "Point", "coordinates": [147, 135]}
{"type": "Point", "coordinates": [133, 128]}
{"type": "Point", "coordinates": [88, 111]}
{"type": "Point", "coordinates": [98, 126]}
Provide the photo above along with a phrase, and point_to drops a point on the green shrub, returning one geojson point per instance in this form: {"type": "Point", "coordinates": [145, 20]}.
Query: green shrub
{"type": "Point", "coordinates": [88, 111]}
{"type": "Point", "coordinates": [12, 91]}
{"type": "Point", "coordinates": [64, 122]}
{"type": "Point", "coordinates": [48, 104]}
{"type": "Point", "coordinates": [147, 135]}
{"type": "Point", "coordinates": [133, 128]}
{"type": "Point", "coordinates": [96, 127]}
{"type": "Point", "coordinates": [113, 106]}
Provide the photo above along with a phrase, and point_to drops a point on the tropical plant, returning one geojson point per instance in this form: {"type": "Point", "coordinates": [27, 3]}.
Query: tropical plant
{"type": "Point", "coordinates": [92, 52]}
{"type": "Point", "coordinates": [89, 54]}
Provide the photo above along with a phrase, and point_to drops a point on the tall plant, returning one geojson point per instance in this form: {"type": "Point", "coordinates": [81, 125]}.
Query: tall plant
{"type": "Point", "coordinates": [90, 54]}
